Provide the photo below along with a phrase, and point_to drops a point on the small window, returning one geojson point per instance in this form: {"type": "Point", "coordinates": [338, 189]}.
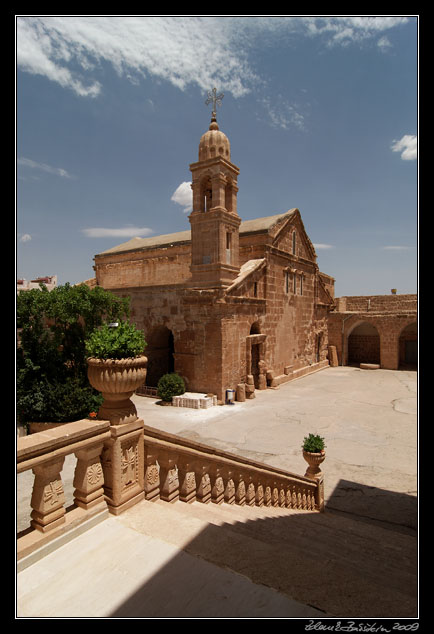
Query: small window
{"type": "Point", "coordinates": [294, 283]}
{"type": "Point", "coordinates": [287, 281]}
{"type": "Point", "coordinates": [301, 284]}
{"type": "Point", "coordinates": [228, 240]}
{"type": "Point", "coordinates": [294, 241]}
{"type": "Point", "coordinates": [255, 289]}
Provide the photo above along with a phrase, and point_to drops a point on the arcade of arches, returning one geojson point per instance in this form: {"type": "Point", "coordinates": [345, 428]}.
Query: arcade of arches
{"type": "Point", "coordinates": [379, 330]}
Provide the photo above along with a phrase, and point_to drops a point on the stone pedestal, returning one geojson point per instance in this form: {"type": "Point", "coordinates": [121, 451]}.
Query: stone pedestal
{"type": "Point", "coordinates": [123, 465]}
{"type": "Point", "coordinates": [48, 497]}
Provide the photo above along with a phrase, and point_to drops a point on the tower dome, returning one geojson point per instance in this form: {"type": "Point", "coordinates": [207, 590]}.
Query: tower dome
{"type": "Point", "coordinates": [214, 143]}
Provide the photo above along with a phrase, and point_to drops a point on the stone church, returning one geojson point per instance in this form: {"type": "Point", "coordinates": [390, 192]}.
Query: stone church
{"type": "Point", "coordinates": [228, 304]}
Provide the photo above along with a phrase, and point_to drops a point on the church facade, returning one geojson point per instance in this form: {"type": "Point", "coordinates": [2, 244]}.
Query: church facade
{"type": "Point", "coordinates": [228, 303]}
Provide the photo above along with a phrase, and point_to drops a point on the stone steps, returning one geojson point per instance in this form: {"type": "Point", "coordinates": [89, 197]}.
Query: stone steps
{"type": "Point", "coordinates": [335, 564]}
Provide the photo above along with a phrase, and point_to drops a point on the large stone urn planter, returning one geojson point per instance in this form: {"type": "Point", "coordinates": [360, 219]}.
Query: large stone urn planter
{"type": "Point", "coordinates": [117, 380]}
{"type": "Point", "coordinates": [314, 460]}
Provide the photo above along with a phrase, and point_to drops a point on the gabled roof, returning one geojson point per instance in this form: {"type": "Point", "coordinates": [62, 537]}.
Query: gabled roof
{"type": "Point", "coordinates": [257, 225]}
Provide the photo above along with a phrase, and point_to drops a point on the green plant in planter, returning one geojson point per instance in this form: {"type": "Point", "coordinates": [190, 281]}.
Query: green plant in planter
{"type": "Point", "coordinates": [119, 340]}
{"type": "Point", "coordinates": [170, 385]}
{"type": "Point", "coordinates": [313, 444]}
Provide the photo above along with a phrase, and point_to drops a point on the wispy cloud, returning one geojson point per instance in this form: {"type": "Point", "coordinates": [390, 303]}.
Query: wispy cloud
{"type": "Point", "coordinates": [58, 171]}
{"type": "Point", "coordinates": [24, 237]}
{"type": "Point", "coordinates": [320, 246]}
{"type": "Point", "coordinates": [183, 196]}
{"type": "Point", "coordinates": [121, 232]}
{"type": "Point", "coordinates": [407, 145]}
{"type": "Point", "coordinates": [70, 50]}
{"type": "Point", "coordinates": [396, 248]}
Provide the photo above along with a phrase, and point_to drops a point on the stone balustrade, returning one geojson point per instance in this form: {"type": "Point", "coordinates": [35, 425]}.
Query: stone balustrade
{"type": "Point", "coordinates": [120, 465]}
{"type": "Point", "coordinates": [44, 453]}
{"type": "Point", "coordinates": [181, 469]}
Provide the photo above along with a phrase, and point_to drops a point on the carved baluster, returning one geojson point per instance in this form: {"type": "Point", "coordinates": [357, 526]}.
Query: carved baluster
{"type": "Point", "coordinates": [275, 495]}
{"type": "Point", "coordinates": [169, 482]}
{"type": "Point", "coordinates": [250, 492]}
{"type": "Point", "coordinates": [48, 497]}
{"type": "Point", "coordinates": [89, 477]}
{"type": "Point", "coordinates": [259, 497]}
{"type": "Point", "coordinates": [304, 500]}
{"type": "Point", "coordinates": [240, 490]}
{"type": "Point", "coordinates": [229, 494]}
{"type": "Point", "coordinates": [217, 484]}
{"type": "Point", "coordinates": [203, 492]}
{"type": "Point", "coordinates": [267, 495]}
{"type": "Point", "coordinates": [294, 498]}
{"type": "Point", "coordinates": [299, 500]}
{"type": "Point", "coordinates": [152, 474]}
{"type": "Point", "coordinates": [288, 497]}
{"type": "Point", "coordinates": [187, 480]}
{"type": "Point", "coordinates": [282, 497]}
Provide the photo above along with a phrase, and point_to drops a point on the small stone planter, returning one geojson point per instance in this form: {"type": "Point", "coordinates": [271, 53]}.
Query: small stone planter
{"type": "Point", "coordinates": [117, 380]}
{"type": "Point", "coordinates": [314, 460]}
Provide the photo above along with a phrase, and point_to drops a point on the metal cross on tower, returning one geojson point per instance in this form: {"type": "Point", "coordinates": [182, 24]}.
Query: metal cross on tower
{"type": "Point", "coordinates": [215, 99]}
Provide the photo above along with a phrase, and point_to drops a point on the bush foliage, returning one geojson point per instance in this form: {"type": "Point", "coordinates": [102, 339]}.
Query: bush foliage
{"type": "Point", "coordinates": [52, 384]}
{"type": "Point", "coordinates": [116, 342]}
{"type": "Point", "coordinates": [313, 443]}
{"type": "Point", "coordinates": [170, 385]}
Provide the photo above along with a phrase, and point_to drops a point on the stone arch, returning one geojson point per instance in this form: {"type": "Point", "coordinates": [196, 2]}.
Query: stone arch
{"type": "Point", "coordinates": [160, 353]}
{"type": "Point", "coordinates": [205, 193]}
{"type": "Point", "coordinates": [255, 328]}
{"type": "Point", "coordinates": [407, 346]}
{"type": "Point", "coordinates": [363, 344]}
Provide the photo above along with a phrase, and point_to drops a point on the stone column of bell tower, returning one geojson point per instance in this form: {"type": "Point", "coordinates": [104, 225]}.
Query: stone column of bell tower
{"type": "Point", "coordinates": [214, 219]}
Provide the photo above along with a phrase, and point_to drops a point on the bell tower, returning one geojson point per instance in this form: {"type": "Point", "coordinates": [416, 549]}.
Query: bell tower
{"type": "Point", "coordinates": [214, 219]}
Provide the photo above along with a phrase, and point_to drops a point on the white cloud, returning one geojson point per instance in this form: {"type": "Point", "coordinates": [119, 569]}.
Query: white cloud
{"type": "Point", "coordinates": [59, 171]}
{"type": "Point", "coordinates": [121, 232]}
{"type": "Point", "coordinates": [407, 145]}
{"type": "Point", "coordinates": [396, 248]}
{"type": "Point", "coordinates": [319, 246]}
{"type": "Point", "coordinates": [177, 49]}
{"type": "Point", "coordinates": [184, 50]}
{"type": "Point", "coordinates": [25, 237]}
{"type": "Point", "coordinates": [183, 196]}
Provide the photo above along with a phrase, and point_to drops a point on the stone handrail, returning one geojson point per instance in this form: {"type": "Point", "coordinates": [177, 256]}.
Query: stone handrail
{"type": "Point", "coordinates": [181, 469]}
{"type": "Point", "coordinates": [45, 453]}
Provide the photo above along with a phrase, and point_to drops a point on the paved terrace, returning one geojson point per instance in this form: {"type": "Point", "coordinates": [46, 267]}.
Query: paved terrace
{"type": "Point", "coordinates": [369, 421]}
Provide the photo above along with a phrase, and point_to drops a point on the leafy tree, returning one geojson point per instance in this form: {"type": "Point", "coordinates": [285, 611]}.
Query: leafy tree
{"type": "Point", "coordinates": [52, 384]}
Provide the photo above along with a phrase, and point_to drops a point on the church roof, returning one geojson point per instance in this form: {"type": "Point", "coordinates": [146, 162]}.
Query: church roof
{"type": "Point", "coordinates": [257, 225]}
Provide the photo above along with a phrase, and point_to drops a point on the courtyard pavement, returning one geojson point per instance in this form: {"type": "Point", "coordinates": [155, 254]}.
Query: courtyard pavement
{"type": "Point", "coordinates": [367, 417]}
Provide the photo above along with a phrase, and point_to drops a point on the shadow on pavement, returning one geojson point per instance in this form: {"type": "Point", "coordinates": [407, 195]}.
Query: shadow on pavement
{"type": "Point", "coordinates": [344, 564]}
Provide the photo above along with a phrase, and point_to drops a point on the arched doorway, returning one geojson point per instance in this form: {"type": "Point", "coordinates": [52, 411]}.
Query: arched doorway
{"type": "Point", "coordinates": [364, 344]}
{"type": "Point", "coordinates": [160, 353]}
{"type": "Point", "coordinates": [408, 347]}
{"type": "Point", "coordinates": [255, 351]}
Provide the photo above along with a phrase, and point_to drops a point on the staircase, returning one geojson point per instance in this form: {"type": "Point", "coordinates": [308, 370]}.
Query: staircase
{"type": "Point", "coordinates": [217, 536]}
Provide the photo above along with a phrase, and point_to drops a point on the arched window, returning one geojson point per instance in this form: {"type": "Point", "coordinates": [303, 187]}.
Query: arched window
{"type": "Point", "coordinates": [294, 242]}
{"type": "Point", "coordinates": [206, 194]}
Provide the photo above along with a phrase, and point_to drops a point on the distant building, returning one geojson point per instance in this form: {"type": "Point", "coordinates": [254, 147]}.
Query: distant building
{"type": "Point", "coordinates": [50, 281]}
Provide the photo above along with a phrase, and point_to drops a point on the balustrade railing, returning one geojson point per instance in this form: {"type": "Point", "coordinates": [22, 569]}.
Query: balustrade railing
{"type": "Point", "coordinates": [119, 465]}
{"type": "Point", "coordinates": [181, 469]}
{"type": "Point", "coordinates": [44, 453]}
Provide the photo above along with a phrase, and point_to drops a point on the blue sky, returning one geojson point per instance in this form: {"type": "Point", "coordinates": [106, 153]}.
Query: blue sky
{"type": "Point", "coordinates": [321, 114]}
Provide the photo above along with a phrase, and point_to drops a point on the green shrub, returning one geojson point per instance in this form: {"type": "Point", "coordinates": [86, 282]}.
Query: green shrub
{"type": "Point", "coordinates": [170, 385]}
{"type": "Point", "coordinates": [53, 402]}
{"type": "Point", "coordinates": [313, 443]}
{"type": "Point", "coordinates": [116, 342]}
{"type": "Point", "coordinates": [52, 383]}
